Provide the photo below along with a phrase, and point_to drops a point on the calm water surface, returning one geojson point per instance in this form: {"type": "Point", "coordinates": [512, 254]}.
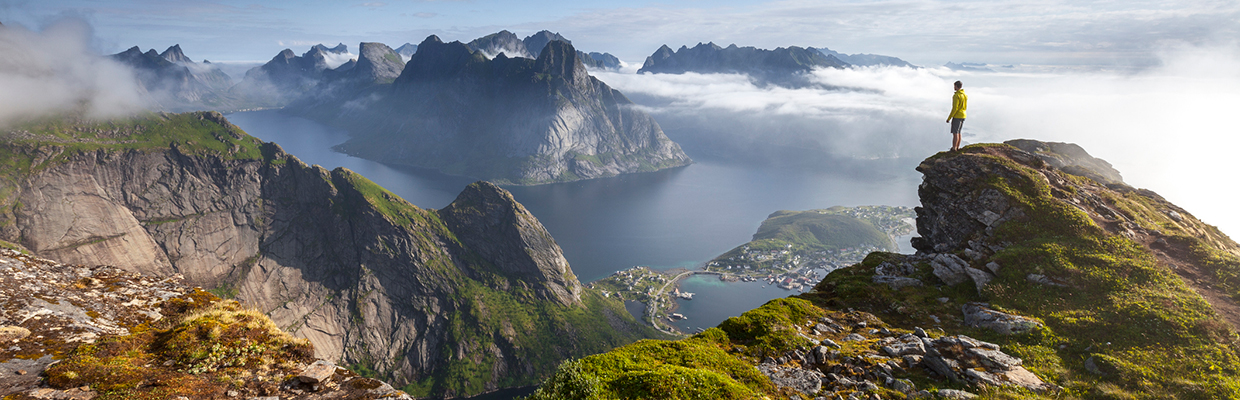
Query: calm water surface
{"type": "Point", "coordinates": [673, 218]}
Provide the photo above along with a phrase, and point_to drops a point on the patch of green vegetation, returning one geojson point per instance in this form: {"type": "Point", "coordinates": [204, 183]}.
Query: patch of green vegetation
{"type": "Point", "coordinates": [47, 142]}
{"type": "Point", "coordinates": [12, 246]}
{"type": "Point", "coordinates": [379, 199]}
{"type": "Point", "coordinates": [788, 240]}
{"type": "Point", "coordinates": [715, 364]}
{"type": "Point", "coordinates": [200, 343]}
{"type": "Point", "coordinates": [226, 290]}
{"type": "Point", "coordinates": [539, 331]}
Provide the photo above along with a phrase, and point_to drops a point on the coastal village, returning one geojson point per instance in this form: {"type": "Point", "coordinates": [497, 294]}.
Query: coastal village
{"type": "Point", "coordinates": [794, 266]}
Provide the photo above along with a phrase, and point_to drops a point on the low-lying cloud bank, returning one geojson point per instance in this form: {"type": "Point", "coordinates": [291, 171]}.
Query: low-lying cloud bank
{"type": "Point", "coordinates": [1167, 128]}
{"type": "Point", "coordinates": [54, 70]}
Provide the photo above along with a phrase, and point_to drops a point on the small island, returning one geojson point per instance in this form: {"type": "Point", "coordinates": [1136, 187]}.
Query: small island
{"type": "Point", "coordinates": [790, 245]}
{"type": "Point", "coordinates": [790, 249]}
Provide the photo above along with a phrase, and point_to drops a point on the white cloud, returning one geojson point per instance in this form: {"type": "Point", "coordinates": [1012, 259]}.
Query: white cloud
{"type": "Point", "coordinates": [1170, 129]}
{"type": "Point", "coordinates": [54, 71]}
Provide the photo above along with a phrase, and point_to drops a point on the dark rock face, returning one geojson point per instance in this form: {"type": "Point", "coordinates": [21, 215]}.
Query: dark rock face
{"type": "Point", "coordinates": [504, 42]}
{"type": "Point", "coordinates": [534, 43]}
{"type": "Point", "coordinates": [484, 211]}
{"type": "Point", "coordinates": [951, 214]}
{"type": "Point", "coordinates": [603, 61]}
{"type": "Point", "coordinates": [509, 120]}
{"type": "Point", "coordinates": [1070, 158]}
{"type": "Point", "coordinates": [780, 66]}
{"type": "Point", "coordinates": [377, 63]}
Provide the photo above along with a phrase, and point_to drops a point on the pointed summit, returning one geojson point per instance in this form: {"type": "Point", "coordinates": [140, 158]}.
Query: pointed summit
{"type": "Point", "coordinates": [175, 55]}
{"type": "Point", "coordinates": [377, 63]}
{"type": "Point", "coordinates": [560, 58]}
{"type": "Point", "coordinates": [406, 50]}
{"type": "Point", "coordinates": [535, 43]}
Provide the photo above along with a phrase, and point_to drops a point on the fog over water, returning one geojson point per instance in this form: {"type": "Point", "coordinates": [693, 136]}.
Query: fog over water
{"type": "Point", "coordinates": [1168, 128]}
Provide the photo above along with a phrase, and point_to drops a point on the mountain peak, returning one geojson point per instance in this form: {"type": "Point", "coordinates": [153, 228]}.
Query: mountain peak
{"type": "Point", "coordinates": [407, 49]}
{"type": "Point", "coordinates": [174, 54]}
{"type": "Point", "coordinates": [500, 42]}
{"type": "Point", "coordinates": [535, 43]}
{"type": "Point", "coordinates": [339, 49]}
{"type": "Point", "coordinates": [377, 63]}
{"type": "Point", "coordinates": [493, 223]}
{"type": "Point", "coordinates": [560, 58]}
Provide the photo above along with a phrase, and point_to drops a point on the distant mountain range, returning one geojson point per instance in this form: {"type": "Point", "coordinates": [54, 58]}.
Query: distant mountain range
{"type": "Point", "coordinates": [508, 43]}
{"type": "Point", "coordinates": [505, 119]}
{"type": "Point", "coordinates": [866, 60]}
{"type": "Point", "coordinates": [977, 67]}
{"type": "Point", "coordinates": [783, 66]}
{"type": "Point", "coordinates": [176, 82]}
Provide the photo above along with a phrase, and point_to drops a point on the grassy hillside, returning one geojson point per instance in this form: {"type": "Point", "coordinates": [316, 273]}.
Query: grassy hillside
{"type": "Point", "coordinates": [825, 238]}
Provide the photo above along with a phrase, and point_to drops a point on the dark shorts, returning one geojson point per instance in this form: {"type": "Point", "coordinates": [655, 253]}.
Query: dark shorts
{"type": "Point", "coordinates": [957, 124]}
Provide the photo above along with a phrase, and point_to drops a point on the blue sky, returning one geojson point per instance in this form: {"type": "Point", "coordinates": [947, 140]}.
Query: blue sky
{"type": "Point", "coordinates": [926, 32]}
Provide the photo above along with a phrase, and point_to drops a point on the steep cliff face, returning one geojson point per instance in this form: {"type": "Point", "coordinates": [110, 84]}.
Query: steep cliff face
{"type": "Point", "coordinates": [460, 301]}
{"type": "Point", "coordinates": [508, 120]}
{"type": "Point", "coordinates": [1030, 281]}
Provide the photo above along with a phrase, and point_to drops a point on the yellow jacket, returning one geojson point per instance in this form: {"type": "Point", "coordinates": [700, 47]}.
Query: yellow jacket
{"type": "Point", "coordinates": [960, 102]}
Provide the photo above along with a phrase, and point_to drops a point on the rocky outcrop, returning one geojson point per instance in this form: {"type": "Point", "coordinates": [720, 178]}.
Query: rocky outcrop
{"type": "Point", "coordinates": [507, 120]}
{"type": "Point", "coordinates": [376, 63]}
{"type": "Point", "coordinates": [365, 276]}
{"type": "Point", "coordinates": [1070, 158]}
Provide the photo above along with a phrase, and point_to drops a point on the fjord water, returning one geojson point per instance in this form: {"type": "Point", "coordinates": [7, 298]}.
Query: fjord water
{"type": "Point", "coordinates": [673, 218]}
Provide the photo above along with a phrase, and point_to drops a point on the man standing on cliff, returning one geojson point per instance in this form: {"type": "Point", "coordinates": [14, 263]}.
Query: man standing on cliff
{"type": "Point", "coordinates": [960, 102]}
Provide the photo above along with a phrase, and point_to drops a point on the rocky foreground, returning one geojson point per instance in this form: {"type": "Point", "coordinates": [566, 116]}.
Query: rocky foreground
{"type": "Point", "coordinates": [76, 332]}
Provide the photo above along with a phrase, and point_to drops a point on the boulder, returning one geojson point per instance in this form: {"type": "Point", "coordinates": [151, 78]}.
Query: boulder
{"type": "Point", "coordinates": [980, 278]}
{"type": "Point", "coordinates": [896, 282]}
{"type": "Point", "coordinates": [980, 316]}
{"type": "Point", "coordinates": [949, 268]}
{"type": "Point", "coordinates": [806, 381]}
{"type": "Point", "coordinates": [320, 371]}
{"type": "Point", "coordinates": [905, 345]}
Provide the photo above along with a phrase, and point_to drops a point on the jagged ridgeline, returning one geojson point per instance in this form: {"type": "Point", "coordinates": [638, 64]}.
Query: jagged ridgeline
{"type": "Point", "coordinates": [1032, 280]}
{"type": "Point", "coordinates": [507, 119]}
{"type": "Point", "coordinates": [463, 300]}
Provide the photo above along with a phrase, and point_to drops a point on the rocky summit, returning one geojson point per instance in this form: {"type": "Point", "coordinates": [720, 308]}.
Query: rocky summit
{"type": "Point", "coordinates": [464, 300]}
{"type": "Point", "coordinates": [506, 120]}
{"type": "Point", "coordinates": [1036, 276]}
